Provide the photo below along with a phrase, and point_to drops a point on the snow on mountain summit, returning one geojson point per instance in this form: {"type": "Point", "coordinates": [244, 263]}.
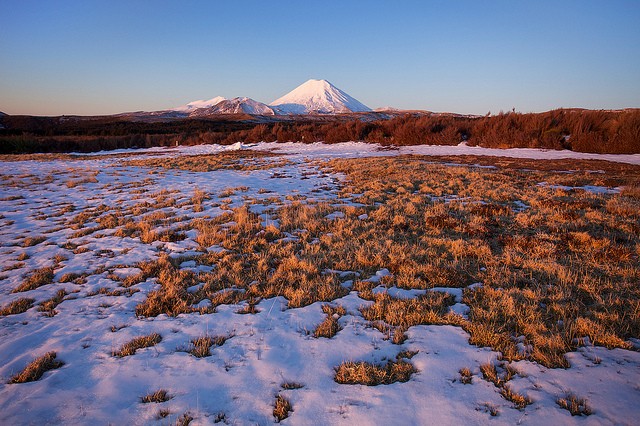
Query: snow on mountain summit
{"type": "Point", "coordinates": [234, 106]}
{"type": "Point", "coordinates": [317, 96]}
{"type": "Point", "coordinates": [192, 106]}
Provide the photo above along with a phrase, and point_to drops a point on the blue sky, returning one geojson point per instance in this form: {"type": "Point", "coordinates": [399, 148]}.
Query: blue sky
{"type": "Point", "coordinates": [100, 57]}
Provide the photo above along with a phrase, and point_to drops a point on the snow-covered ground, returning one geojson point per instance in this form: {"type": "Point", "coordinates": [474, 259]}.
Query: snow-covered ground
{"type": "Point", "coordinates": [239, 382]}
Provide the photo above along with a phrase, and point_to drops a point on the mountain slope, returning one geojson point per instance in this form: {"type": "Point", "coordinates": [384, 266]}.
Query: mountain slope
{"type": "Point", "coordinates": [317, 97]}
{"type": "Point", "coordinates": [191, 106]}
{"type": "Point", "coordinates": [235, 106]}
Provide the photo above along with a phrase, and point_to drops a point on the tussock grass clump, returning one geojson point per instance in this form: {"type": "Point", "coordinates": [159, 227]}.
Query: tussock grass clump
{"type": "Point", "coordinates": [140, 342]}
{"type": "Point", "coordinates": [519, 401]}
{"type": "Point", "coordinates": [281, 408]}
{"type": "Point", "coordinates": [499, 379]}
{"type": "Point", "coordinates": [18, 306]}
{"type": "Point", "coordinates": [575, 405]}
{"type": "Point", "coordinates": [161, 395]}
{"type": "Point", "coordinates": [23, 256]}
{"type": "Point", "coordinates": [38, 278]}
{"type": "Point", "coordinates": [365, 373]}
{"type": "Point", "coordinates": [37, 368]}
{"type": "Point", "coordinates": [291, 385]}
{"type": "Point", "coordinates": [48, 307]}
{"type": "Point", "coordinates": [69, 277]}
{"type": "Point", "coordinates": [201, 347]}
{"type": "Point", "coordinates": [172, 298]}
{"type": "Point", "coordinates": [330, 326]}
{"type": "Point", "coordinates": [32, 241]}
{"type": "Point", "coordinates": [466, 377]}
{"type": "Point", "coordinates": [490, 373]}
{"type": "Point", "coordinates": [184, 419]}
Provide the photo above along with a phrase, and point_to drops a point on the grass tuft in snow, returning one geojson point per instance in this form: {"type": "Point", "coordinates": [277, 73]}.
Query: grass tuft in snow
{"type": "Point", "coordinates": [184, 419]}
{"type": "Point", "coordinates": [575, 405]}
{"type": "Point", "coordinates": [365, 373]}
{"type": "Point", "coordinates": [32, 241]}
{"type": "Point", "coordinates": [140, 342]}
{"type": "Point", "coordinates": [519, 401]}
{"type": "Point", "coordinates": [48, 306]}
{"type": "Point", "coordinates": [201, 347]}
{"type": "Point", "coordinates": [291, 385]}
{"type": "Point", "coordinates": [282, 408]}
{"type": "Point", "coordinates": [466, 377]}
{"type": "Point", "coordinates": [491, 374]}
{"type": "Point", "coordinates": [18, 306]}
{"type": "Point", "coordinates": [37, 368]}
{"type": "Point", "coordinates": [38, 278]}
{"type": "Point", "coordinates": [330, 326]}
{"type": "Point", "coordinates": [160, 395]}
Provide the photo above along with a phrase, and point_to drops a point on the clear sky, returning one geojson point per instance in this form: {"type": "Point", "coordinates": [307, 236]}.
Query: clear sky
{"type": "Point", "coordinates": [101, 57]}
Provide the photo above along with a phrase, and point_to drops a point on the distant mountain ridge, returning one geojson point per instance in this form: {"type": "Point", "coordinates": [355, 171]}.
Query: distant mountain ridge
{"type": "Point", "coordinates": [234, 106]}
{"type": "Point", "coordinates": [311, 97]}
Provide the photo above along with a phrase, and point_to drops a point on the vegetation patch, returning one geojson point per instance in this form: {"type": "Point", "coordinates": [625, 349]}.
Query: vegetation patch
{"type": "Point", "coordinates": [281, 408]}
{"type": "Point", "coordinates": [330, 326]}
{"type": "Point", "coordinates": [365, 373]}
{"type": "Point", "coordinates": [466, 377]}
{"type": "Point", "coordinates": [37, 368]}
{"type": "Point", "coordinates": [161, 395]}
{"type": "Point", "coordinates": [38, 278]}
{"type": "Point", "coordinates": [575, 405]}
{"type": "Point", "coordinates": [228, 160]}
{"type": "Point", "coordinates": [48, 307]}
{"type": "Point", "coordinates": [18, 306]}
{"type": "Point", "coordinates": [140, 342]}
{"type": "Point", "coordinates": [491, 374]}
{"type": "Point", "coordinates": [201, 347]}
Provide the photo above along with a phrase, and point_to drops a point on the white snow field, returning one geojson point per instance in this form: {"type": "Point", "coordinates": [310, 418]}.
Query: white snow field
{"type": "Point", "coordinates": [239, 382]}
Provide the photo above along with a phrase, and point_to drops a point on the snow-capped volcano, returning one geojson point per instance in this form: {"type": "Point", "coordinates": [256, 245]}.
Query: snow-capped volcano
{"type": "Point", "coordinates": [192, 106]}
{"type": "Point", "coordinates": [317, 97]}
{"type": "Point", "coordinates": [234, 106]}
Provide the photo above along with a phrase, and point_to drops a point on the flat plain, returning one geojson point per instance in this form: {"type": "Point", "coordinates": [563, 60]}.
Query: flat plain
{"type": "Point", "coordinates": [320, 284]}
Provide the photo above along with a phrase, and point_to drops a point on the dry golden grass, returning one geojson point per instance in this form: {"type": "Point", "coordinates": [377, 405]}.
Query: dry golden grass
{"type": "Point", "coordinates": [184, 419]}
{"type": "Point", "coordinates": [330, 326]}
{"type": "Point", "coordinates": [281, 408]}
{"type": "Point", "coordinates": [491, 374]}
{"type": "Point", "coordinates": [37, 368]}
{"type": "Point", "coordinates": [466, 377]}
{"type": "Point", "coordinates": [364, 373]}
{"type": "Point", "coordinates": [18, 306]}
{"type": "Point", "coordinates": [140, 342]}
{"type": "Point", "coordinates": [230, 160]}
{"type": "Point", "coordinates": [22, 256]}
{"type": "Point", "coordinates": [291, 385]}
{"type": "Point", "coordinates": [575, 405]}
{"type": "Point", "coordinates": [158, 396]}
{"type": "Point", "coordinates": [38, 278]}
{"type": "Point", "coordinates": [48, 307]}
{"type": "Point", "coordinates": [556, 265]}
{"type": "Point", "coordinates": [519, 401]}
{"type": "Point", "coordinates": [201, 347]}
{"type": "Point", "coordinates": [32, 241]}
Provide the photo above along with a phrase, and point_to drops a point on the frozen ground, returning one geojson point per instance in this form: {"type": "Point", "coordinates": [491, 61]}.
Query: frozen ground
{"type": "Point", "coordinates": [238, 383]}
